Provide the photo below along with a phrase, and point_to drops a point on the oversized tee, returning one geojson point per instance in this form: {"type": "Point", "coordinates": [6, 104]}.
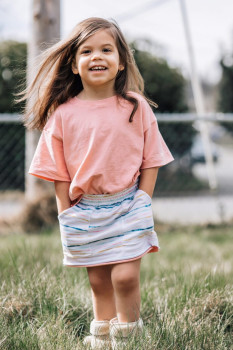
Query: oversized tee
{"type": "Point", "coordinates": [92, 145]}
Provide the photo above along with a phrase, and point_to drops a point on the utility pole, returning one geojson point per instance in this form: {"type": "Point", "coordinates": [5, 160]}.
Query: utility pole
{"type": "Point", "coordinates": [45, 31]}
{"type": "Point", "coordinates": [199, 101]}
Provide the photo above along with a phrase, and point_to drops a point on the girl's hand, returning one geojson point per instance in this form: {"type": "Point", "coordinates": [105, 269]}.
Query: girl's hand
{"type": "Point", "coordinates": [148, 179]}
{"type": "Point", "coordinates": [61, 209]}
{"type": "Point", "coordinates": [62, 195]}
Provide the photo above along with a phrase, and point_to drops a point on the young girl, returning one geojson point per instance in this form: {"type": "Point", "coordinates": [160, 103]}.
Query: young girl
{"type": "Point", "coordinates": [102, 148]}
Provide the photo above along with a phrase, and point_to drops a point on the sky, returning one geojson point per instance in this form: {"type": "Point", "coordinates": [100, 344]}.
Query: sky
{"type": "Point", "coordinates": [210, 22]}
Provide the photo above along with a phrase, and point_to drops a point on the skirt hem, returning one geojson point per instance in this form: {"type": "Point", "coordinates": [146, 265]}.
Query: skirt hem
{"type": "Point", "coordinates": [152, 249]}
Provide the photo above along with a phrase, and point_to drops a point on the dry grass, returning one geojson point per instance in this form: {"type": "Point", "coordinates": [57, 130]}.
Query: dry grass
{"type": "Point", "coordinates": [36, 215]}
{"type": "Point", "coordinates": [12, 307]}
{"type": "Point", "coordinates": [39, 214]}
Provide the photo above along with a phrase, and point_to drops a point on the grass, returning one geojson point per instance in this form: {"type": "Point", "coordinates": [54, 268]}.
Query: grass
{"type": "Point", "coordinates": [187, 299]}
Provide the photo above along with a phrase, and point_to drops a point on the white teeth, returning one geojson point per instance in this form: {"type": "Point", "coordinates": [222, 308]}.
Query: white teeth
{"type": "Point", "coordinates": [98, 68]}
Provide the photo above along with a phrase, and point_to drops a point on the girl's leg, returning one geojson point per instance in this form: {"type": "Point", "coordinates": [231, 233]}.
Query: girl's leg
{"type": "Point", "coordinates": [126, 284]}
{"type": "Point", "coordinates": [102, 292]}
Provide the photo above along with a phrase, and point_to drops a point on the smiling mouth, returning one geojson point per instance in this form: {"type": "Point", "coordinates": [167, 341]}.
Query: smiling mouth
{"type": "Point", "coordinates": [98, 68]}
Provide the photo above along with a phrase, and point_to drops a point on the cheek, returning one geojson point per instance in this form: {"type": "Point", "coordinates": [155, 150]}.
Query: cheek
{"type": "Point", "coordinates": [82, 62]}
{"type": "Point", "coordinates": [115, 60]}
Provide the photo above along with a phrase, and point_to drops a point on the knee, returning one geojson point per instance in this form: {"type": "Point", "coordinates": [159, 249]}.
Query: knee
{"type": "Point", "coordinates": [99, 285]}
{"type": "Point", "coordinates": [124, 283]}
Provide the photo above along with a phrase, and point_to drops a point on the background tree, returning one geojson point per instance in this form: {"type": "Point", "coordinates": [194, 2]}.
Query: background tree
{"type": "Point", "coordinates": [226, 89]}
{"type": "Point", "coordinates": [13, 57]}
{"type": "Point", "coordinates": [167, 87]}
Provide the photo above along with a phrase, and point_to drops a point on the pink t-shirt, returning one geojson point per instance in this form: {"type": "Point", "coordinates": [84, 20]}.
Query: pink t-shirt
{"type": "Point", "coordinates": [92, 145]}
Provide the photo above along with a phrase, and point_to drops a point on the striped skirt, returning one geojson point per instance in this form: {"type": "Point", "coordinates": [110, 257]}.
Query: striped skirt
{"type": "Point", "coordinates": [108, 228]}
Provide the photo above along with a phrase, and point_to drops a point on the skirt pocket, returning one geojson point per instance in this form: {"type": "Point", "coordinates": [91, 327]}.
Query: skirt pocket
{"type": "Point", "coordinates": [64, 212]}
{"type": "Point", "coordinates": [146, 195]}
{"type": "Point", "coordinates": [139, 218]}
{"type": "Point", "coordinates": [74, 227]}
{"type": "Point", "coordinates": [75, 216]}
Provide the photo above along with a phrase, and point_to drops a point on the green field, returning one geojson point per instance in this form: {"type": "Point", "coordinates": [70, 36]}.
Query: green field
{"type": "Point", "coordinates": [187, 292]}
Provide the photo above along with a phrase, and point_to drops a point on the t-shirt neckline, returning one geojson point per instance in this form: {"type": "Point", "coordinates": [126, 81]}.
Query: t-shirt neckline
{"type": "Point", "coordinates": [95, 102]}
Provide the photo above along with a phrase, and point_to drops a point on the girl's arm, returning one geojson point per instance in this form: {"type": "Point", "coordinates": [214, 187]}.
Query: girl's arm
{"type": "Point", "coordinates": [148, 179]}
{"type": "Point", "coordinates": [62, 195]}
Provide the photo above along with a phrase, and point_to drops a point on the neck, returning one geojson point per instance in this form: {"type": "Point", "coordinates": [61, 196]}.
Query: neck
{"type": "Point", "coordinates": [96, 93]}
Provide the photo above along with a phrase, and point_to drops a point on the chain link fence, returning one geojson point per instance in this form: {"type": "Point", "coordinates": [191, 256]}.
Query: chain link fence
{"type": "Point", "coordinates": [12, 153]}
{"type": "Point", "coordinates": [186, 177]}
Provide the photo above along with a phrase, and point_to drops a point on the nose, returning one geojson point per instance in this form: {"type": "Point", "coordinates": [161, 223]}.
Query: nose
{"type": "Point", "coordinates": [96, 55]}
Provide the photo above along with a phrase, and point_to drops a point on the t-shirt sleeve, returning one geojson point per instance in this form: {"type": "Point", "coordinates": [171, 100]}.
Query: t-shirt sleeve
{"type": "Point", "coordinates": [155, 151]}
{"type": "Point", "coordinates": [48, 162]}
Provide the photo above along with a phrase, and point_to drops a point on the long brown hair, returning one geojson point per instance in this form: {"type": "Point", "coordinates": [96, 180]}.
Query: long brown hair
{"type": "Point", "coordinates": [55, 82]}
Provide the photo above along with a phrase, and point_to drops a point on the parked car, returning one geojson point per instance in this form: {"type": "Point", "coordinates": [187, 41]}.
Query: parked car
{"type": "Point", "coordinates": [196, 154]}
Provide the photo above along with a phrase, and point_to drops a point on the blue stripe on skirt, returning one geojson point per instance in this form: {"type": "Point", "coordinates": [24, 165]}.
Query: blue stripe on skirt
{"type": "Point", "coordinates": [108, 228]}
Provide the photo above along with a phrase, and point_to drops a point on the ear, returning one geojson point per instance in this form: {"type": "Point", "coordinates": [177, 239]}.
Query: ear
{"type": "Point", "coordinates": [74, 67]}
{"type": "Point", "coordinates": [121, 67]}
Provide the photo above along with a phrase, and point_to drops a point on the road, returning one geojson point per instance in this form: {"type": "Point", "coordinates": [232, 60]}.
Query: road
{"type": "Point", "coordinates": [194, 210]}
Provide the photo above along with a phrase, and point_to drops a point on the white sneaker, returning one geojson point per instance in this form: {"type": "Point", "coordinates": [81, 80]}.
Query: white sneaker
{"type": "Point", "coordinates": [121, 332]}
{"type": "Point", "coordinates": [99, 338]}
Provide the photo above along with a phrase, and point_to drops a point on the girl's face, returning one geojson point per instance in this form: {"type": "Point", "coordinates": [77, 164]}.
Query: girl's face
{"type": "Point", "coordinates": [97, 61]}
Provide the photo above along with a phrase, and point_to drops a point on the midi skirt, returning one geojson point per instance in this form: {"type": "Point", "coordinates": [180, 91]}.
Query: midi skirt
{"type": "Point", "coordinates": [108, 228]}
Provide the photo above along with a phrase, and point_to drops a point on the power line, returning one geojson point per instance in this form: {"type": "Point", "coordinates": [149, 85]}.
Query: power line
{"type": "Point", "coordinates": [138, 11]}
